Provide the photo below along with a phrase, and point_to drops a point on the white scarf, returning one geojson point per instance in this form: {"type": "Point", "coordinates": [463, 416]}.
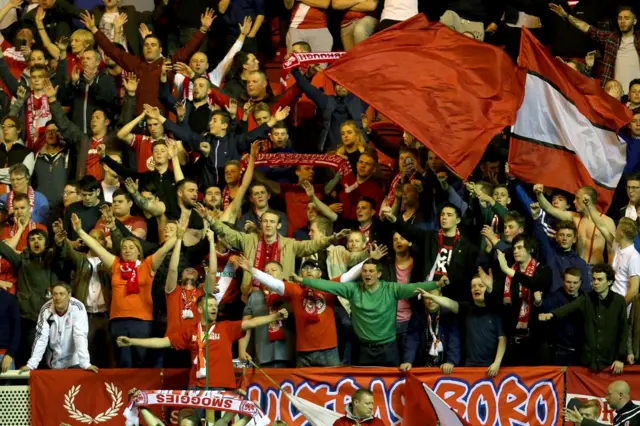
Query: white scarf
{"type": "Point", "coordinates": [436, 347]}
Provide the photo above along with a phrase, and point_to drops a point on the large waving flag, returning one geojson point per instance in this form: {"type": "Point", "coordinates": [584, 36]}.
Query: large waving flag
{"type": "Point", "coordinates": [566, 132]}
{"type": "Point", "coordinates": [452, 93]}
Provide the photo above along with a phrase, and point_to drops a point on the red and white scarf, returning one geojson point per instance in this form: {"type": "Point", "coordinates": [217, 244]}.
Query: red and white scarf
{"type": "Point", "coordinates": [438, 269]}
{"type": "Point", "coordinates": [201, 360]}
{"type": "Point", "coordinates": [524, 292]}
{"type": "Point", "coordinates": [37, 114]}
{"type": "Point", "coordinates": [129, 272]}
{"type": "Point", "coordinates": [204, 399]}
{"type": "Point", "coordinates": [436, 347]}
{"type": "Point", "coordinates": [31, 225]}
{"type": "Point", "coordinates": [303, 60]}
{"type": "Point", "coordinates": [334, 162]}
{"type": "Point", "coordinates": [30, 193]}
{"type": "Point", "coordinates": [187, 86]}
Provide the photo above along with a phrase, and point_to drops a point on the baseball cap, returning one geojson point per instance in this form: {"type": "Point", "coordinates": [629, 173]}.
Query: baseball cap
{"type": "Point", "coordinates": [310, 263]}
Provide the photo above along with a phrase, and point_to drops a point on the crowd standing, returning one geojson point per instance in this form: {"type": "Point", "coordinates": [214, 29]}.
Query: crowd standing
{"type": "Point", "coordinates": [136, 208]}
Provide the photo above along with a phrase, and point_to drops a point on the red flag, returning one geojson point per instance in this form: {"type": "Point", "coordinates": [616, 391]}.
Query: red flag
{"type": "Point", "coordinates": [78, 396]}
{"type": "Point", "coordinates": [417, 408]}
{"type": "Point", "coordinates": [452, 93]}
{"type": "Point", "coordinates": [565, 135]}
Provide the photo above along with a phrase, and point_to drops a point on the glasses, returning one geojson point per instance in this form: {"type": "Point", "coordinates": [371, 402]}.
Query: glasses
{"type": "Point", "coordinates": [69, 192]}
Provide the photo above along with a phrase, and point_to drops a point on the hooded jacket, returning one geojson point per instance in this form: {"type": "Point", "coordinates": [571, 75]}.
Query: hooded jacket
{"type": "Point", "coordinates": [350, 420]}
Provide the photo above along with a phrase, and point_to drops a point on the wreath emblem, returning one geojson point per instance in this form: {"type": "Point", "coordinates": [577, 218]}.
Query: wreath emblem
{"type": "Point", "coordinates": [75, 414]}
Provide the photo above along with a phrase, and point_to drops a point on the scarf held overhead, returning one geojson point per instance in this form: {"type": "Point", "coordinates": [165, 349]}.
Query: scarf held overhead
{"type": "Point", "coordinates": [223, 401]}
{"type": "Point", "coordinates": [334, 162]}
{"type": "Point", "coordinates": [304, 59]}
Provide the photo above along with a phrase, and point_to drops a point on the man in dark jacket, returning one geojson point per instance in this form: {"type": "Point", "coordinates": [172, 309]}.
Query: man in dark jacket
{"type": "Point", "coordinates": [565, 337]}
{"type": "Point", "coordinates": [334, 110]}
{"type": "Point", "coordinates": [433, 336]}
{"type": "Point", "coordinates": [219, 146]}
{"type": "Point", "coordinates": [445, 253]}
{"type": "Point", "coordinates": [604, 315]}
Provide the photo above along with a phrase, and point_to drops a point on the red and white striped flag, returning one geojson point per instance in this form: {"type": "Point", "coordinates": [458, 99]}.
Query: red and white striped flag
{"type": "Point", "coordinates": [565, 135]}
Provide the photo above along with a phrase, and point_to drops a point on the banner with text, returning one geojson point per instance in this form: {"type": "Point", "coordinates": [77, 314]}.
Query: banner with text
{"type": "Point", "coordinates": [517, 395]}
{"type": "Point", "coordinates": [526, 395]}
{"type": "Point", "coordinates": [584, 385]}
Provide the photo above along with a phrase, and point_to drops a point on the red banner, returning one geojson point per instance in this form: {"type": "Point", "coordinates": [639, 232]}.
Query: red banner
{"type": "Point", "coordinates": [584, 385]}
{"type": "Point", "coordinates": [527, 395]}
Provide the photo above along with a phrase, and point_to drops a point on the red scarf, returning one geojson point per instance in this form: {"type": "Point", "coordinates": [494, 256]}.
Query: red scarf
{"type": "Point", "coordinates": [31, 225]}
{"type": "Point", "coordinates": [391, 196]}
{"type": "Point", "coordinates": [226, 198]}
{"type": "Point", "coordinates": [265, 253]}
{"type": "Point", "coordinates": [37, 114]}
{"type": "Point", "coordinates": [304, 59]}
{"type": "Point", "coordinates": [334, 162]}
{"type": "Point", "coordinates": [366, 231]}
{"type": "Point", "coordinates": [129, 272]}
{"type": "Point", "coordinates": [30, 193]}
{"type": "Point", "coordinates": [525, 294]}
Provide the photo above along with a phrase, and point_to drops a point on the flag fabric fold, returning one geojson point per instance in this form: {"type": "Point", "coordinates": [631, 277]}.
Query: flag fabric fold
{"type": "Point", "coordinates": [314, 413]}
{"type": "Point", "coordinates": [417, 407]}
{"type": "Point", "coordinates": [452, 93]}
{"type": "Point", "coordinates": [446, 415]}
{"type": "Point", "coordinates": [565, 135]}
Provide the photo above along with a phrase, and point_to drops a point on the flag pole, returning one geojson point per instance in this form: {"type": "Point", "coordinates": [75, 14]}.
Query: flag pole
{"type": "Point", "coordinates": [257, 367]}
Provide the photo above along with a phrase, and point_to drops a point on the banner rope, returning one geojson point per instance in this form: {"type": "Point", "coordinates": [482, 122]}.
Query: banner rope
{"type": "Point", "coordinates": [257, 367]}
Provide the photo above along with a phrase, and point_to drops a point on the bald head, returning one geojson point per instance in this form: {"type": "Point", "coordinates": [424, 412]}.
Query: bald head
{"type": "Point", "coordinates": [618, 394]}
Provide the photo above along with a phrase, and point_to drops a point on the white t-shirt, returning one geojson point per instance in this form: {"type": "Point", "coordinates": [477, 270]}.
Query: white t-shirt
{"type": "Point", "coordinates": [626, 264]}
{"type": "Point", "coordinates": [627, 63]}
{"type": "Point", "coordinates": [399, 10]}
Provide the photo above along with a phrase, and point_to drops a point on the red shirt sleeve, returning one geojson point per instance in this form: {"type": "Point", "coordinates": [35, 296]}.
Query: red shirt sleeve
{"type": "Point", "coordinates": [234, 330]}
{"type": "Point", "coordinates": [180, 340]}
{"type": "Point", "coordinates": [291, 290]}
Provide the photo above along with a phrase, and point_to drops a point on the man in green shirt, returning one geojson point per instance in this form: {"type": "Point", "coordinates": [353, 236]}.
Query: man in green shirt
{"type": "Point", "coordinates": [373, 309]}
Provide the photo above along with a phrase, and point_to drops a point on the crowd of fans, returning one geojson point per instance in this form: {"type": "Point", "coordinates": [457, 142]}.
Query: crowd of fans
{"type": "Point", "coordinates": [136, 206]}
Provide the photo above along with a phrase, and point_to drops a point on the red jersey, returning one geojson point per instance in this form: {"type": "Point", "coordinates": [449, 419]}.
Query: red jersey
{"type": "Point", "coordinates": [142, 145]}
{"type": "Point", "coordinates": [305, 17]}
{"type": "Point", "coordinates": [296, 200]}
{"type": "Point", "coordinates": [182, 311]}
{"type": "Point", "coordinates": [312, 336]}
{"type": "Point", "coordinates": [352, 16]}
{"type": "Point", "coordinates": [221, 337]}
{"type": "Point", "coordinates": [94, 168]}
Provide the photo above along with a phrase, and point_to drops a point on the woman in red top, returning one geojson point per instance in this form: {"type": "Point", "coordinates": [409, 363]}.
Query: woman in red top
{"type": "Point", "coordinates": [131, 281]}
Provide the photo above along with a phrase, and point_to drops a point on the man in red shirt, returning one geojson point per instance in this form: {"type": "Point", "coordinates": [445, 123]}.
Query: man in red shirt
{"type": "Point", "coordinates": [149, 68]}
{"type": "Point", "coordinates": [360, 411]}
{"type": "Point", "coordinates": [221, 336]}
{"type": "Point", "coordinates": [367, 164]}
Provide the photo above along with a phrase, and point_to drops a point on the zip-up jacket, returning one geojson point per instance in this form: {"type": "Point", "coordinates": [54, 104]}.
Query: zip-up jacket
{"type": "Point", "coordinates": [62, 337]}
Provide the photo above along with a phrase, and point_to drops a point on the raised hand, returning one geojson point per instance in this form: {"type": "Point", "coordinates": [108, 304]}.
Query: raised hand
{"type": "Point", "coordinates": [57, 226]}
{"type": "Point", "coordinates": [487, 279]}
{"type": "Point", "coordinates": [76, 223]}
{"type": "Point", "coordinates": [282, 113]}
{"type": "Point", "coordinates": [184, 69]}
{"type": "Point", "coordinates": [342, 234]}
{"type": "Point", "coordinates": [152, 112]}
{"type": "Point", "coordinates": [75, 75]}
{"type": "Point", "coordinates": [181, 110]}
{"type": "Point", "coordinates": [172, 147]}
{"type": "Point", "coordinates": [243, 262]}
{"type": "Point", "coordinates": [144, 31]}
{"type": "Point", "coordinates": [206, 19]}
{"type": "Point", "coordinates": [308, 188]}
{"type": "Point", "coordinates": [232, 108]}
{"type": "Point", "coordinates": [62, 43]}
{"type": "Point", "coordinates": [201, 210]}
{"type": "Point", "coordinates": [21, 93]}
{"type": "Point", "coordinates": [89, 21]}
{"type": "Point", "coordinates": [205, 148]}
{"type": "Point", "coordinates": [535, 210]}
{"type": "Point", "coordinates": [40, 14]}
{"type": "Point", "coordinates": [120, 20]}
{"type": "Point", "coordinates": [131, 83]}
{"type": "Point", "coordinates": [558, 10]}
{"type": "Point", "coordinates": [538, 189]}
{"type": "Point", "coordinates": [255, 149]}
{"type": "Point", "coordinates": [443, 281]}
{"type": "Point", "coordinates": [107, 216]}
{"type": "Point", "coordinates": [245, 27]}
{"type": "Point", "coordinates": [378, 251]}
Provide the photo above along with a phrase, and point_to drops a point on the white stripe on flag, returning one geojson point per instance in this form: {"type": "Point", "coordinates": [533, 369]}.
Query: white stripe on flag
{"type": "Point", "coordinates": [314, 413]}
{"type": "Point", "coordinates": [446, 415]}
{"type": "Point", "coordinates": [547, 116]}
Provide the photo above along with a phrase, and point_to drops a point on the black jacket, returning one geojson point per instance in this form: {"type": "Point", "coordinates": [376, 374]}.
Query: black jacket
{"type": "Point", "coordinates": [629, 415]}
{"type": "Point", "coordinates": [461, 268]}
{"type": "Point", "coordinates": [605, 328]}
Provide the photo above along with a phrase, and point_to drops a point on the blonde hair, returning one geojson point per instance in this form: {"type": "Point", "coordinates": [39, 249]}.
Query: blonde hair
{"type": "Point", "coordinates": [361, 144]}
{"type": "Point", "coordinates": [85, 37]}
{"type": "Point", "coordinates": [135, 243]}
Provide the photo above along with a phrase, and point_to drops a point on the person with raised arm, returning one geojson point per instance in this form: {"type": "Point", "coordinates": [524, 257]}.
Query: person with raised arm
{"type": "Point", "coordinates": [149, 68]}
{"type": "Point", "coordinates": [214, 368]}
{"type": "Point", "coordinates": [626, 259]}
{"type": "Point", "coordinates": [591, 242]}
{"type": "Point", "coordinates": [374, 304]}
{"type": "Point", "coordinates": [220, 145]}
{"type": "Point", "coordinates": [604, 315]}
{"type": "Point", "coordinates": [131, 311]}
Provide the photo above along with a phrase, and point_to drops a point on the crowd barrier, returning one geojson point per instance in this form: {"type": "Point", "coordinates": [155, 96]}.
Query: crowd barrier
{"type": "Point", "coordinates": [526, 395]}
